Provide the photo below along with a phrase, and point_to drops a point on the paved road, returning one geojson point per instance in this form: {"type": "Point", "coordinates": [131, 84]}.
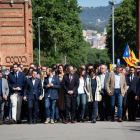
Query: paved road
{"type": "Point", "coordinates": [78, 131]}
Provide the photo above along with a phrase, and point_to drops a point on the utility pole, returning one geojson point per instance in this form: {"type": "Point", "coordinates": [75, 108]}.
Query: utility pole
{"type": "Point", "coordinates": [112, 3]}
{"type": "Point", "coordinates": [39, 36]}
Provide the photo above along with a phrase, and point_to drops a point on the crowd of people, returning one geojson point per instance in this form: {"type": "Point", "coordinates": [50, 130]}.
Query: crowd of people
{"type": "Point", "coordinates": [67, 94]}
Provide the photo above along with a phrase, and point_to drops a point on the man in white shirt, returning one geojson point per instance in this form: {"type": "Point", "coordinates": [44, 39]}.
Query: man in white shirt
{"type": "Point", "coordinates": [104, 104]}
{"type": "Point", "coordinates": [16, 81]}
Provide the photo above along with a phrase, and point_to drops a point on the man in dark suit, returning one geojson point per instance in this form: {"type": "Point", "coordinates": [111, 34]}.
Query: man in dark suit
{"type": "Point", "coordinates": [70, 83]}
{"type": "Point", "coordinates": [51, 84]}
{"type": "Point", "coordinates": [131, 93]}
{"type": "Point", "coordinates": [33, 93]}
{"type": "Point", "coordinates": [16, 81]}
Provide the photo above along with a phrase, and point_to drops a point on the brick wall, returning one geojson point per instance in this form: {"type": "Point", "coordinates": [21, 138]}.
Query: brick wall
{"type": "Point", "coordinates": [16, 36]}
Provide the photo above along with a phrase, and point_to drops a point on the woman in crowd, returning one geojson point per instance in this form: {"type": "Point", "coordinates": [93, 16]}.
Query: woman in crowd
{"type": "Point", "coordinates": [81, 98]}
{"type": "Point", "coordinates": [60, 103]}
{"type": "Point", "coordinates": [29, 75]}
{"type": "Point", "coordinates": [8, 106]}
{"type": "Point", "coordinates": [42, 102]}
{"type": "Point", "coordinates": [25, 71]}
{"type": "Point", "coordinates": [93, 87]}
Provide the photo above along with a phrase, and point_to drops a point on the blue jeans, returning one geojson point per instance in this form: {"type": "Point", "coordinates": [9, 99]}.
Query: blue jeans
{"type": "Point", "coordinates": [56, 112]}
{"type": "Point", "coordinates": [81, 100]}
{"type": "Point", "coordinates": [50, 108]}
{"type": "Point", "coordinates": [117, 94]}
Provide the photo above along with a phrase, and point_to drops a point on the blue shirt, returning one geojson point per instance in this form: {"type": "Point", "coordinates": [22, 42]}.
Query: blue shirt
{"type": "Point", "coordinates": [117, 81]}
{"type": "Point", "coordinates": [50, 81]}
{"type": "Point", "coordinates": [1, 87]}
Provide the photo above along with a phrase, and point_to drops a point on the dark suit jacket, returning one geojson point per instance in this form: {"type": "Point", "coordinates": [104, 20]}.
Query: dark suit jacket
{"type": "Point", "coordinates": [52, 90]}
{"type": "Point", "coordinates": [126, 79]}
{"type": "Point", "coordinates": [71, 86]}
{"type": "Point", "coordinates": [138, 89]}
{"type": "Point", "coordinates": [19, 83]}
{"type": "Point", "coordinates": [30, 89]}
{"type": "Point", "coordinates": [133, 85]}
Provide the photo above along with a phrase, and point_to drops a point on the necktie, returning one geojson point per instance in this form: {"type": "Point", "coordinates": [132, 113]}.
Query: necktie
{"type": "Point", "coordinates": [70, 78]}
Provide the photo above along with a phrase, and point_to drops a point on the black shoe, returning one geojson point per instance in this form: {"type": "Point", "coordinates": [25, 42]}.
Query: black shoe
{"type": "Point", "coordinates": [18, 122]}
{"type": "Point", "coordinates": [87, 118]}
{"type": "Point", "coordinates": [133, 119]}
{"type": "Point", "coordinates": [30, 122]}
{"type": "Point", "coordinates": [82, 119]}
{"type": "Point", "coordinates": [93, 121]}
{"type": "Point", "coordinates": [101, 119]}
{"type": "Point", "coordinates": [34, 122]}
{"type": "Point", "coordinates": [78, 120]}
{"type": "Point", "coordinates": [130, 119]}
{"type": "Point", "coordinates": [124, 118]}
{"type": "Point", "coordinates": [57, 120]}
{"type": "Point", "coordinates": [107, 118]}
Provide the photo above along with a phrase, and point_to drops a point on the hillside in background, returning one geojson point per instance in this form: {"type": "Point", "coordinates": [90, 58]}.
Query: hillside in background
{"type": "Point", "coordinates": [98, 16]}
{"type": "Point", "coordinates": [99, 29]}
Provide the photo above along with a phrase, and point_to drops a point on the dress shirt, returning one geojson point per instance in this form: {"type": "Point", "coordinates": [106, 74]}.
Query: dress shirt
{"type": "Point", "coordinates": [117, 81]}
{"type": "Point", "coordinates": [16, 74]}
{"type": "Point", "coordinates": [103, 81]}
{"type": "Point", "coordinates": [69, 78]}
{"type": "Point", "coordinates": [50, 81]}
{"type": "Point", "coordinates": [33, 81]}
{"type": "Point", "coordinates": [132, 77]}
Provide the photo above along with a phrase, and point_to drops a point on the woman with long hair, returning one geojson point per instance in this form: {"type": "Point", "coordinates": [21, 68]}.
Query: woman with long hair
{"type": "Point", "coordinates": [29, 74]}
{"type": "Point", "coordinates": [81, 98]}
{"type": "Point", "coordinates": [93, 87]}
{"type": "Point", "coordinates": [42, 102]}
{"type": "Point", "coordinates": [60, 103]}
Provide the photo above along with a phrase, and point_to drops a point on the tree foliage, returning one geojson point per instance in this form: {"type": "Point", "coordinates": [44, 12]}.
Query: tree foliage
{"type": "Point", "coordinates": [125, 28]}
{"type": "Point", "coordinates": [97, 56]}
{"type": "Point", "coordinates": [86, 26]}
{"type": "Point", "coordinates": [60, 25]}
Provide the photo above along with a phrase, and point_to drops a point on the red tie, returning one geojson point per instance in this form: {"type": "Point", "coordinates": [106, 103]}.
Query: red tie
{"type": "Point", "coordinates": [70, 78]}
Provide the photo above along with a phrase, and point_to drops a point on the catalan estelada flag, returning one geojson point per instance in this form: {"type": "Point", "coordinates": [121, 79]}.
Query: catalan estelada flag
{"type": "Point", "coordinates": [130, 57]}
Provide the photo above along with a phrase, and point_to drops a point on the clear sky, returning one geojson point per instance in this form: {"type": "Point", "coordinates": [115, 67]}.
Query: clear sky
{"type": "Point", "coordinates": [95, 3]}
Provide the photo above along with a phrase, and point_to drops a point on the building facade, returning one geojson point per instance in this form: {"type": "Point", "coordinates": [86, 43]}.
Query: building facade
{"type": "Point", "coordinates": [16, 34]}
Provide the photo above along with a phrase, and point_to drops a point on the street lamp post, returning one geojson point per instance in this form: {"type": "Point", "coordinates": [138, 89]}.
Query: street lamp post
{"type": "Point", "coordinates": [39, 36]}
{"type": "Point", "coordinates": [112, 3]}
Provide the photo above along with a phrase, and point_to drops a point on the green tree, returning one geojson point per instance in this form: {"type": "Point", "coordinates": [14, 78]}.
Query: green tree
{"type": "Point", "coordinates": [125, 29]}
{"type": "Point", "coordinates": [97, 56]}
{"type": "Point", "coordinates": [60, 25]}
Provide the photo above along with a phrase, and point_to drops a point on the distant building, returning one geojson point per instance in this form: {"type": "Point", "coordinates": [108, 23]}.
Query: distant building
{"type": "Point", "coordinates": [97, 41]}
